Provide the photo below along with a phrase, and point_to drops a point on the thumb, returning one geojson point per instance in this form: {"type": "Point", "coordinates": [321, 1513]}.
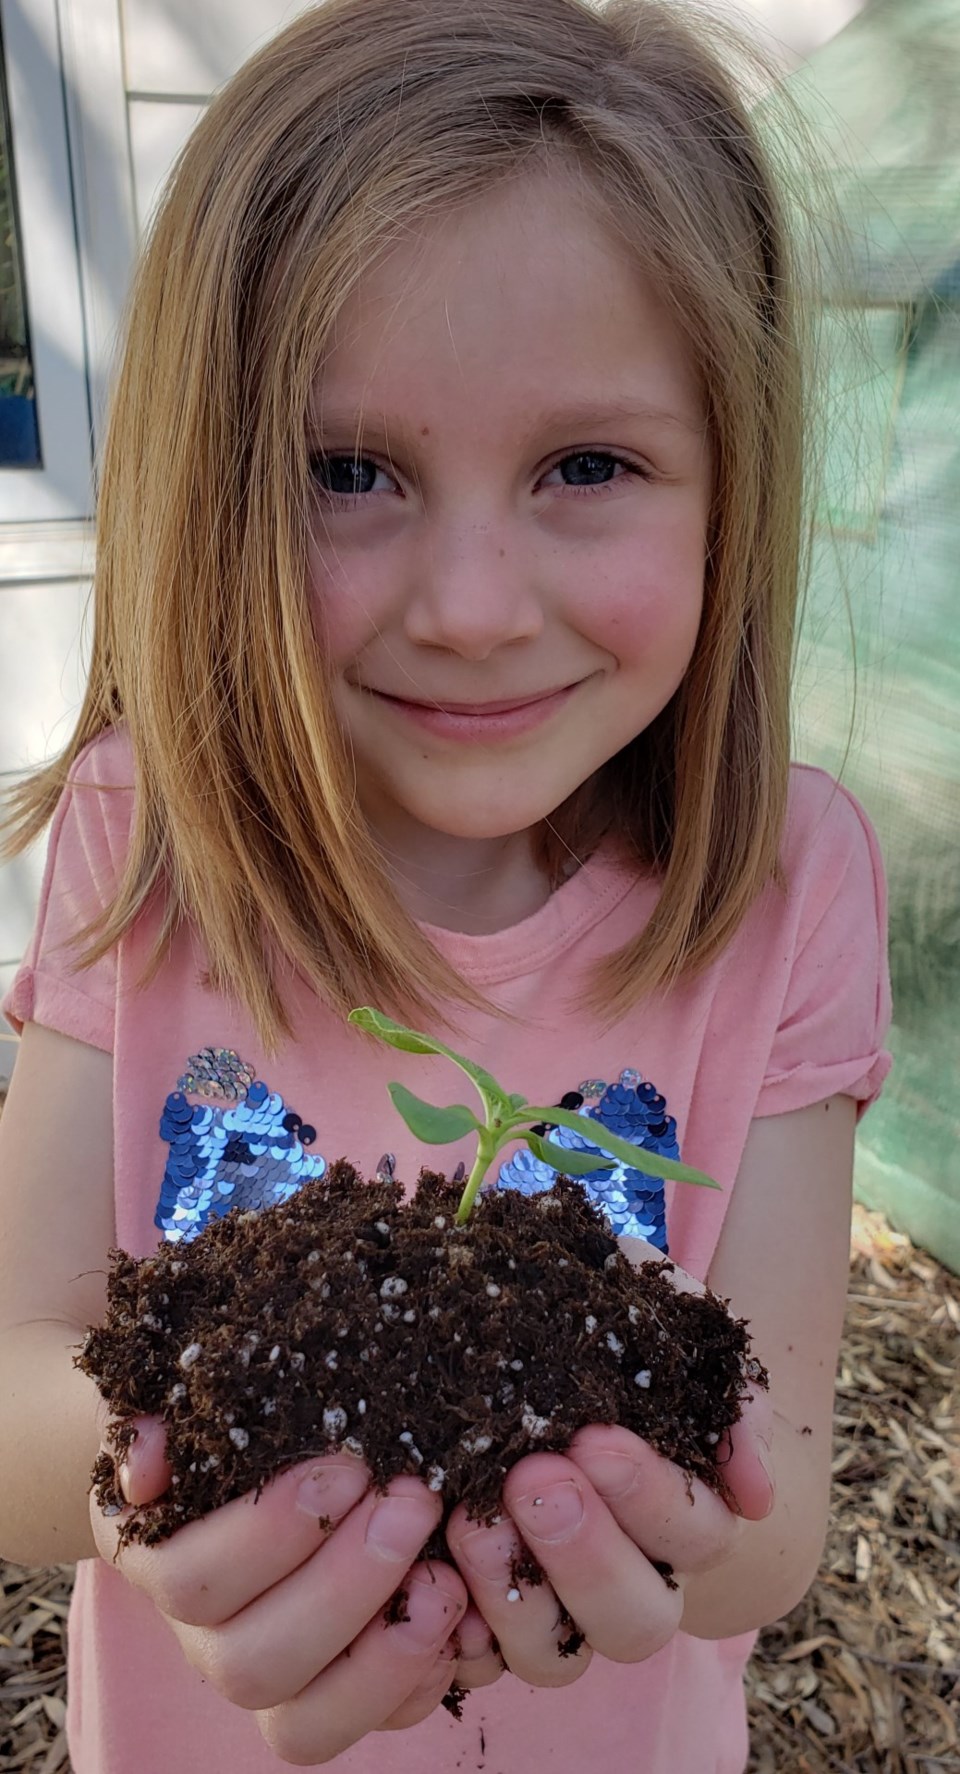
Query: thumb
{"type": "Point", "coordinates": [747, 1458]}
{"type": "Point", "coordinates": [638, 1251]}
{"type": "Point", "coordinates": [139, 1447]}
{"type": "Point", "coordinates": [745, 1455]}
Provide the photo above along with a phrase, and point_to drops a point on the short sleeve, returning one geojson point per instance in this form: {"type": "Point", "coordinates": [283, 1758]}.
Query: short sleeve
{"type": "Point", "coordinates": [837, 1009]}
{"type": "Point", "coordinates": [85, 855]}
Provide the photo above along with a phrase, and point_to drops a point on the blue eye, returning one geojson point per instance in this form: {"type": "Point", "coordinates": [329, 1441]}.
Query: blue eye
{"type": "Point", "coordinates": [588, 468]}
{"type": "Point", "coordinates": [346, 477]}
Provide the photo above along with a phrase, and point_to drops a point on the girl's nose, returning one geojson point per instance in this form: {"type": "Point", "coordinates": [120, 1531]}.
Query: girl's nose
{"type": "Point", "coordinates": [472, 592]}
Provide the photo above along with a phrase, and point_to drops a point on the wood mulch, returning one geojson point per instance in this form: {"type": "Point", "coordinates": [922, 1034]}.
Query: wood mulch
{"type": "Point", "coordinates": [864, 1676]}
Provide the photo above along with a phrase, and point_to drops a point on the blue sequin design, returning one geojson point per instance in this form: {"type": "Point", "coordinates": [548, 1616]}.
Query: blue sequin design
{"type": "Point", "coordinates": [632, 1201]}
{"type": "Point", "coordinates": [249, 1154]}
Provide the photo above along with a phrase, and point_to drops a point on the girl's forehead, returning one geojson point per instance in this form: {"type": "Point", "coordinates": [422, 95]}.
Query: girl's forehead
{"type": "Point", "coordinates": [522, 286]}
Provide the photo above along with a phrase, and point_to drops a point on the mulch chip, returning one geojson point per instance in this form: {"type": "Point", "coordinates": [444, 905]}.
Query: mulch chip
{"type": "Point", "coordinates": [864, 1676]}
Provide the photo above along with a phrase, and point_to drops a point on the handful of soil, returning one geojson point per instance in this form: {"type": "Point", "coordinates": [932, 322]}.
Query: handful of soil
{"type": "Point", "coordinates": [347, 1317]}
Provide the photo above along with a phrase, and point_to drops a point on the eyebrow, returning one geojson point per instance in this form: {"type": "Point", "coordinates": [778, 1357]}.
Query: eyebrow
{"type": "Point", "coordinates": [576, 416]}
{"type": "Point", "coordinates": [599, 412]}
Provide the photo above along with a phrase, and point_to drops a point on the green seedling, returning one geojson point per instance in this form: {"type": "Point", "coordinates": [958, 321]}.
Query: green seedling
{"type": "Point", "coordinates": [506, 1119]}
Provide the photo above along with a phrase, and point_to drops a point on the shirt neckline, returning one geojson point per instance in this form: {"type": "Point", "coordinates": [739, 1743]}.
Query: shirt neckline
{"type": "Point", "coordinates": [573, 908]}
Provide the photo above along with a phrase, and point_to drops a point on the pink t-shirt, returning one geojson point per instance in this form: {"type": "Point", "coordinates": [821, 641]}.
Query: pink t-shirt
{"type": "Point", "coordinates": [795, 1010]}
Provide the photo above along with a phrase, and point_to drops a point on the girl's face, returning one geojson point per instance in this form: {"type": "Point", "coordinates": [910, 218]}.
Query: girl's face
{"type": "Point", "coordinates": [512, 492]}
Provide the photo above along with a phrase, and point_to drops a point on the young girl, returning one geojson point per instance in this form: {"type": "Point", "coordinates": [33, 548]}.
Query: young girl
{"type": "Point", "coordinates": [448, 560]}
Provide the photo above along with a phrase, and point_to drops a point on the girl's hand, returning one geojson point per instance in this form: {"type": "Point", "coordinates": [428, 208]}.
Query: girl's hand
{"type": "Point", "coordinates": [598, 1521]}
{"type": "Point", "coordinates": [266, 1600]}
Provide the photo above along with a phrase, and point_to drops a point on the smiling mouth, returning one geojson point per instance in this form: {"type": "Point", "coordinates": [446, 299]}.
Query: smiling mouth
{"type": "Point", "coordinates": [477, 723]}
{"type": "Point", "coordinates": [478, 709]}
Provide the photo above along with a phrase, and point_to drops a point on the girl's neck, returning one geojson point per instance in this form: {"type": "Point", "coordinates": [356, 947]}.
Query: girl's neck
{"type": "Point", "coordinates": [473, 885]}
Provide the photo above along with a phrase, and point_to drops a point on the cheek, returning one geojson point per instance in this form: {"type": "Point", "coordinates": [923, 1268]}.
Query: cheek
{"type": "Point", "coordinates": [341, 606]}
{"type": "Point", "coordinates": [644, 614]}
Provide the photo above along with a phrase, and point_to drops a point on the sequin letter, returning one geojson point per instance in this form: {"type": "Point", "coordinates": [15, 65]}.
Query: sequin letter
{"type": "Point", "coordinates": [249, 1154]}
{"type": "Point", "coordinates": [632, 1201]}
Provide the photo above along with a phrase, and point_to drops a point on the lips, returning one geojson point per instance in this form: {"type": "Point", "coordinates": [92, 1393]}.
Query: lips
{"type": "Point", "coordinates": [477, 723]}
{"type": "Point", "coordinates": [478, 708]}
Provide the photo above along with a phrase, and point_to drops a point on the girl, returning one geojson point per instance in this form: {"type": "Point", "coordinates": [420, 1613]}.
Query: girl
{"type": "Point", "coordinates": [448, 560]}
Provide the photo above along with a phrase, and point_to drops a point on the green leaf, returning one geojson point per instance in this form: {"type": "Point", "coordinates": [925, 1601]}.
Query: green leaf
{"type": "Point", "coordinates": [411, 1041]}
{"type": "Point", "coordinates": [437, 1127]}
{"type": "Point", "coordinates": [569, 1164]}
{"type": "Point", "coordinates": [649, 1162]}
{"type": "Point", "coordinates": [518, 1102]}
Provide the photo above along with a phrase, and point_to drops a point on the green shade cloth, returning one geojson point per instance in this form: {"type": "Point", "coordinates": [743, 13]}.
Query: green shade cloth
{"type": "Point", "coordinates": [884, 100]}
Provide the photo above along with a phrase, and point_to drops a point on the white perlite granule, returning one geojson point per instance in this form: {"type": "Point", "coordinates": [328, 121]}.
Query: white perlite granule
{"type": "Point", "coordinates": [535, 1426]}
{"type": "Point", "coordinates": [475, 1443]}
{"type": "Point", "coordinates": [393, 1288]}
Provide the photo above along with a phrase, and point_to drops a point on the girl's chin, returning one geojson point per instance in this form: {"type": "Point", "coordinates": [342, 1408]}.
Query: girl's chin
{"type": "Point", "coordinates": [472, 825]}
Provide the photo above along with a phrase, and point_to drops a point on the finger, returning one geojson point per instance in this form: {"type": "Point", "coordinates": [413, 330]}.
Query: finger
{"type": "Point", "coordinates": [480, 1672]}
{"type": "Point", "coordinates": [604, 1581]}
{"type": "Point", "coordinates": [212, 1568]}
{"type": "Point", "coordinates": [274, 1648]}
{"type": "Point", "coordinates": [478, 1665]}
{"type": "Point", "coordinates": [671, 1516]}
{"type": "Point", "coordinates": [386, 1664]}
{"type": "Point", "coordinates": [137, 1447]}
{"type": "Point", "coordinates": [480, 1662]}
{"type": "Point", "coordinates": [526, 1618]}
{"type": "Point", "coordinates": [638, 1251]}
{"type": "Point", "coordinates": [745, 1457]}
{"type": "Point", "coordinates": [428, 1693]}
{"type": "Point", "coordinates": [145, 1471]}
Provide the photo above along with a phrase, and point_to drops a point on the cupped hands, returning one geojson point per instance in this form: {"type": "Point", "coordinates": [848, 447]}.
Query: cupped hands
{"type": "Point", "coordinates": [282, 1602]}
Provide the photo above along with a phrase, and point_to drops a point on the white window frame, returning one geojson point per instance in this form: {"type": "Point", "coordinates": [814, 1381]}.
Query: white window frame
{"type": "Point", "coordinates": [61, 490]}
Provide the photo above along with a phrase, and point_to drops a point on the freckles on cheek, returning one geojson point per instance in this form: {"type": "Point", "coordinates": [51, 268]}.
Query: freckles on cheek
{"type": "Point", "coordinates": [620, 617]}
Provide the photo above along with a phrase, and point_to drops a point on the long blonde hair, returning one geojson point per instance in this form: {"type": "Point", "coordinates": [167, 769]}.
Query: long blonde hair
{"type": "Point", "coordinates": [356, 124]}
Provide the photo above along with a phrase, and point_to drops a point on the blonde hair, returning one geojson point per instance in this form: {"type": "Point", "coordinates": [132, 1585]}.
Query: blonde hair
{"type": "Point", "coordinates": [358, 123]}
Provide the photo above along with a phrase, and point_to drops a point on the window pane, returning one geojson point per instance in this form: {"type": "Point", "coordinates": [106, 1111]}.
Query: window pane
{"type": "Point", "coordinates": [19, 435]}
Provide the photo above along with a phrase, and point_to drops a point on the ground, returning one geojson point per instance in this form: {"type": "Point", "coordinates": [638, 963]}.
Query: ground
{"type": "Point", "coordinates": [864, 1676]}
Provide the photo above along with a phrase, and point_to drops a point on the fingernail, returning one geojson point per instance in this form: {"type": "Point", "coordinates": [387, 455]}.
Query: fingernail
{"type": "Point", "coordinates": [490, 1553]}
{"type": "Point", "coordinates": [397, 1529]}
{"type": "Point", "coordinates": [613, 1475]}
{"type": "Point", "coordinates": [123, 1478]}
{"type": "Point", "coordinates": [433, 1612]}
{"type": "Point", "coordinates": [551, 1514]}
{"type": "Point", "coordinates": [331, 1489]}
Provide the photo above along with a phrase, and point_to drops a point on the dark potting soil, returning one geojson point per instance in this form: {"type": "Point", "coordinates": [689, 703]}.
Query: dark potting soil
{"type": "Point", "coordinates": [348, 1317]}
